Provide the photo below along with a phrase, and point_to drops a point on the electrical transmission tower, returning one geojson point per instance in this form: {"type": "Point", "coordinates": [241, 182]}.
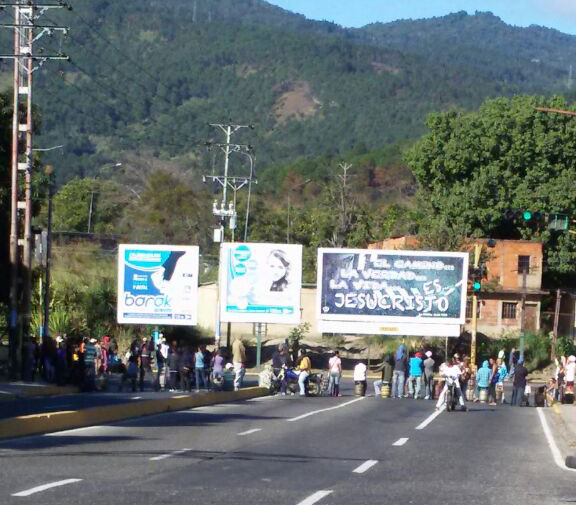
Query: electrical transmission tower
{"type": "Point", "coordinates": [227, 209]}
{"type": "Point", "coordinates": [26, 61]}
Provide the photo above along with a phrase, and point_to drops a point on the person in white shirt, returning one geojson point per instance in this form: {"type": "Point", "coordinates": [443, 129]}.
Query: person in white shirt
{"type": "Point", "coordinates": [570, 374]}
{"type": "Point", "coordinates": [452, 372]}
{"type": "Point", "coordinates": [360, 375]}
{"type": "Point", "coordinates": [335, 372]}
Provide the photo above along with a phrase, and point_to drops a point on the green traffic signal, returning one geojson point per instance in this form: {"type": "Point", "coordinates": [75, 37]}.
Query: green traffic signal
{"type": "Point", "coordinates": [527, 215]}
{"type": "Point", "coordinates": [477, 285]}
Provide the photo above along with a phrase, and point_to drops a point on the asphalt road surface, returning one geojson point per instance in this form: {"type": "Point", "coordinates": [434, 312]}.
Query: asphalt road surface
{"type": "Point", "coordinates": [294, 451]}
{"type": "Point", "coordinates": [76, 401]}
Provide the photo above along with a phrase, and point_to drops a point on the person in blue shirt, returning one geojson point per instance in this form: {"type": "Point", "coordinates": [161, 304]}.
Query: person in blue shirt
{"type": "Point", "coordinates": [415, 378]}
{"type": "Point", "coordinates": [483, 378]}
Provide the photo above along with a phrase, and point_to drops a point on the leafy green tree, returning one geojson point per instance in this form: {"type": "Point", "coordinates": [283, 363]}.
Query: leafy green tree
{"type": "Point", "coordinates": [168, 211]}
{"type": "Point", "coordinates": [473, 166]}
{"type": "Point", "coordinates": [88, 200]}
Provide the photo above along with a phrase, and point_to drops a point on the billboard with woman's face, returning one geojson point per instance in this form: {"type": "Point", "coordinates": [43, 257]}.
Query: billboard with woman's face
{"type": "Point", "coordinates": [260, 283]}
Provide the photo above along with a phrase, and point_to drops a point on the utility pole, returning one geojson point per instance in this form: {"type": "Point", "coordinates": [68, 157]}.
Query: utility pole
{"type": "Point", "coordinates": [523, 314]}
{"type": "Point", "coordinates": [92, 193]}
{"type": "Point", "coordinates": [46, 321]}
{"type": "Point", "coordinates": [225, 209]}
{"type": "Point", "coordinates": [25, 63]}
{"type": "Point", "coordinates": [556, 323]}
{"type": "Point", "coordinates": [477, 251]}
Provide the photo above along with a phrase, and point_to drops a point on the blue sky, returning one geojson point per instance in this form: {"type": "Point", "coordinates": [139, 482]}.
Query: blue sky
{"type": "Point", "coordinates": [559, 14]}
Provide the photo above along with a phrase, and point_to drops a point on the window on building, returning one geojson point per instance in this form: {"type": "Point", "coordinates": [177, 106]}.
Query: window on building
{"type": "Point", "coordinates": [509, 310]}
{"type": "Point", "coordinates": [469, 308]}
{"type": "Point", "coordinates": [523, 264]}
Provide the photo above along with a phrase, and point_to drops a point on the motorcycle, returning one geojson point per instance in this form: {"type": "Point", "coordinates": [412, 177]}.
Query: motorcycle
{"type": "Point", "coordinates": [451, 397]}
{"type": "Point", "coordinates": [313, 383]}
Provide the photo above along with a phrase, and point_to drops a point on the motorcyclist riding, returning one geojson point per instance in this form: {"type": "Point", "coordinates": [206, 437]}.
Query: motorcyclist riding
{"type": "Point", "coordinates": [452, 372]}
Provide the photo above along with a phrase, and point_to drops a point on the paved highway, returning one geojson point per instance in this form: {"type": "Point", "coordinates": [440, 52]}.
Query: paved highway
{"type": "Point", "coordinates": [294, 451]}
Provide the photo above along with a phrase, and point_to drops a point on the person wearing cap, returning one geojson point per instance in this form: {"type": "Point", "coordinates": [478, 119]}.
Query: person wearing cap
{"type": "Point", "coordinates": [415, 377]}
{"type": "Point", "coordinates": [429, 376]}
{"type": "Point", "coordinates": [519, 385]}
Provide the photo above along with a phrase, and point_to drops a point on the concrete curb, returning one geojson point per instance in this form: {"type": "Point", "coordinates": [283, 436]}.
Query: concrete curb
{"type": "Point", "coordinates": [39, 391]}
{"type": "Point", "coordinates": [58, 421]}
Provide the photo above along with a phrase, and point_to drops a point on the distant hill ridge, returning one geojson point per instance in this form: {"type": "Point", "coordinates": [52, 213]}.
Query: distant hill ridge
{"type": "Point", "coordinates": [148, 75]}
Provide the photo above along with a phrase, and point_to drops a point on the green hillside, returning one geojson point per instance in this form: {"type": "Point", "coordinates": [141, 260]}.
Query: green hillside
{"type": "Point", "coordinates": [147, 76]}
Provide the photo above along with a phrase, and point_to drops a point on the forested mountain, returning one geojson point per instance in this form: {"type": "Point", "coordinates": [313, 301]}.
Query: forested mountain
{"type": "Point", "coordinates": [147, 76]}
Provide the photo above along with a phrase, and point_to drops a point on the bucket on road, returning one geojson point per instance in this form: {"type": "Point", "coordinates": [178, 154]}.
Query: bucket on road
{"type": "Point", "coordinates": [483, 395]}
{"type": "Point", "coordinates": [360, 388]}
{"type": "Point", "coordinates": [385, 390]}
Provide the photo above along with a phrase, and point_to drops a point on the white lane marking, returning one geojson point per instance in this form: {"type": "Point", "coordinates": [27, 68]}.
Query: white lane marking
{"type": "Point", "coordinates": [400, 442]}
{"type": "Point", "coordinates": [249, 432]}
{"type": "Point", "coordinates": [303, 416]}
{"type": "Point", "coordinates": [44, 487]}
{"type": "Point", "coordinates": [136, 398]}
{"type": "Point", "coordinates": [262, 398]}
{"type": "Point", "coordinates": [166, 456]}
{"type": "Point", "coordinates": [365, 466]}
{"type": "Point", "coordinates": [552, 443]}
{"type": "Point", "coordinates": [429, 419]}
{"type": "Point", "coordinates": [316, 497]}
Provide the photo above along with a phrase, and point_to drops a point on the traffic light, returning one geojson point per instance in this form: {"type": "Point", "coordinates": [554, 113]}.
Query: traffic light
{"type": "Point", "coordinates": [476, 275]}
{"type": "Point", "coordinates": [528, 216]}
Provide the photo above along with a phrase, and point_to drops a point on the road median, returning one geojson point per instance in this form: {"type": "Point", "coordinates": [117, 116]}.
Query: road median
{"type": "Point", "coordinates": [49, 422]}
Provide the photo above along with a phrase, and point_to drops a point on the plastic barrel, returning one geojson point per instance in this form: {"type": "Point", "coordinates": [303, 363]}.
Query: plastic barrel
{"type": "Point", "coordinates": [385, 390]}
{"type": "Point", "coordinates": [228, 381]}
{"type": "Point", "coordinates": [483, 396]}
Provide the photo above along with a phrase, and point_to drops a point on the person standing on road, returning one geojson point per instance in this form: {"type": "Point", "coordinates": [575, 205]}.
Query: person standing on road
{"type": "Point", "coordinates": [502, 373]}
{"type": "Point", "coordinates": [239, 361]}
{"type": "Point", "coordinates": [360, 376]}
{"type": "Point", "coordinates": [281, 360]}
{"type": "Point", "coordinates": [305, 367]}
{"type": "Point", "coordinates": [173, 367]}
{"type": "Point", "coordinates": [386, 368]}
{"type": "Point", "coordinates": [429, 376]}
{"type": "Point", "coordinates": [570, 374]}
{"type": "Point", "coordinates": [520, 374]}
{"type": "Point", "coordinates": [466, 375]}
{"type": "Point", "coordinates": [199, 366]}
{"type": "Point", "coordinates": [415, 378]}
{"type": "Point", "coordinates": [399, 372]}
{"type": "Point", "coordinates": [482, 379]}
{"type": "Point", "coordinates": [162, 352]}
{"type": "Point", "coordinates": [335, 371]}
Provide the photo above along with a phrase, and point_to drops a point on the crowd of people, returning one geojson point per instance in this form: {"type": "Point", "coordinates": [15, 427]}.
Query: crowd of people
{"type": "Point", "coordinates": [418, 375]}
{"type": "Point", "coordinates": [163, 365]}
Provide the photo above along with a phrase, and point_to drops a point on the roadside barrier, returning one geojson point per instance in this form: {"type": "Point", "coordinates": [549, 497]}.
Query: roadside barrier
{"type": "Point", "coordinates": [58, 421]}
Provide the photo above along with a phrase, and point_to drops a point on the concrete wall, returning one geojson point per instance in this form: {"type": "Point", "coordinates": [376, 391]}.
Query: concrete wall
{"type": "Point", "coordinates": [207, 315]}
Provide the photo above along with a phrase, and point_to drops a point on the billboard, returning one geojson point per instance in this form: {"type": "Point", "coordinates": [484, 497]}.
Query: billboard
{"type": "Point", "coordinates": [157, 284]}
{"type": "Point", "coordinates": [392, 288]}
{"type": "Point", "coordinates": [260, 283]}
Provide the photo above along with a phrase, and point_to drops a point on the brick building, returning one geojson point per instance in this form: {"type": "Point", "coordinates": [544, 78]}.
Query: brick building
{"type": "Point", "coordinates": [499, 307]}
